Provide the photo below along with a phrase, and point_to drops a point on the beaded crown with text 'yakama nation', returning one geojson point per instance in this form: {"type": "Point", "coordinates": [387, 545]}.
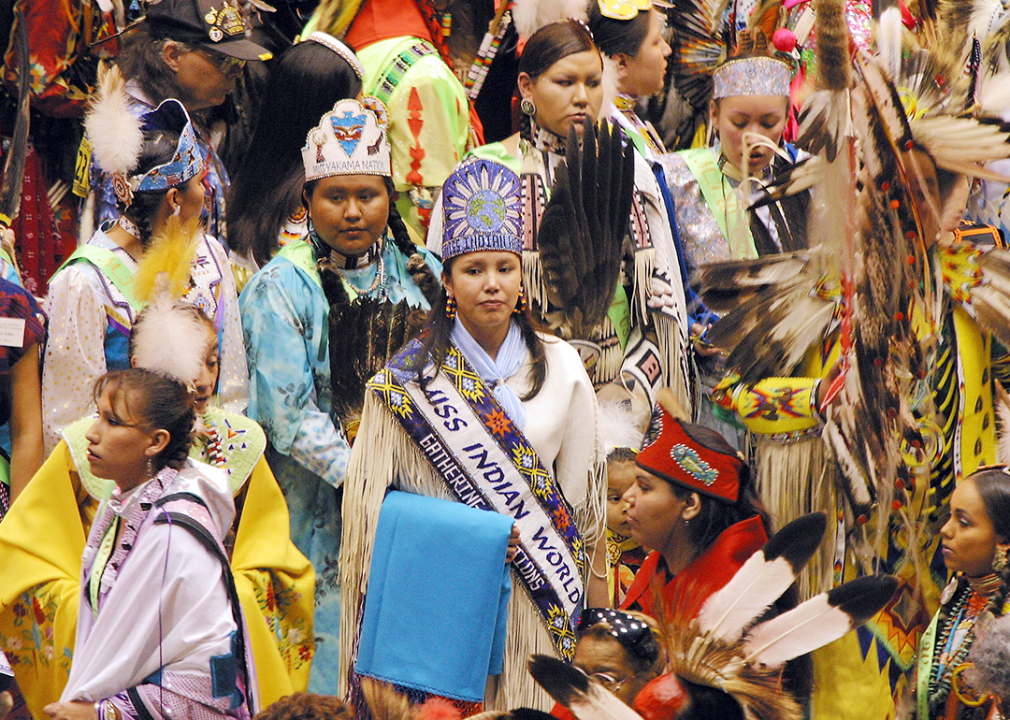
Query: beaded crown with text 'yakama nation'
{"type": "Point", "coordinates": [351, 139]}
{"type": "Point", "coordinates": [481, 201]}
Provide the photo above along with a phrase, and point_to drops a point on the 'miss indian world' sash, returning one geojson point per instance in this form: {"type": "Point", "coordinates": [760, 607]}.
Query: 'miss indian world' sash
{"type": "Point", "coordinates": [488, 464]}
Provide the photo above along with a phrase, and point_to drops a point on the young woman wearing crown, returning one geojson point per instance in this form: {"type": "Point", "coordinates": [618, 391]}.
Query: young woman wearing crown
{"type": "Point", "coordinates": [483, 410]}
{"type": "Point", "coordinates": [356, 247]}
{"type": "Point", "coordinates": [643, 340]}
{"type": "Point", "coordinates": [158, 169]}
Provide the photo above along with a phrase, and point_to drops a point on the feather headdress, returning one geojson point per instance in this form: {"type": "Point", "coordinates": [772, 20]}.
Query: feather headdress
{"type": "Point", "coordinates": [114, 132]}
{"type": "Point", "coordinates": [531, 15]}
{"type": "Point", "coordinates": [726, 650]}
{"type": "Point", "coordinates": [170, 336]}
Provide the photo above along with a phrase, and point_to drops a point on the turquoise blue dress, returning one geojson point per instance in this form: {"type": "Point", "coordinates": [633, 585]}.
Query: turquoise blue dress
{"type": "Point", "coordinates": [285, 323]}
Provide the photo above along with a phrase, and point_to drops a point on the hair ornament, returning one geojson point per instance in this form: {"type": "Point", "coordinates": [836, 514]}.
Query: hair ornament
{"type": "Point", "coordinates": [481, 202]}
{"type": "Point", "coordinates": [623, 9]}
{"type": "Point", "coordinates": [343, 51]}
{"type": "Point", "coordinates": [349, 140]}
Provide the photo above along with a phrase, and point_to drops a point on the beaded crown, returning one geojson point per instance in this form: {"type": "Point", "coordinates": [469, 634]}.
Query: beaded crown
{"type": "Point", "coordinates": [350, 140]}
{"type": "Point", "coordinates": [481, 202]}
{"type": "Point", "coordinates": [187, 162]}
{"type": "Point", "coordinates": [751, 76]}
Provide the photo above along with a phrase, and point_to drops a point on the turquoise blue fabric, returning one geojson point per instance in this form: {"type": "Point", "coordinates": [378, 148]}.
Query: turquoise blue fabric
{"type": "Point", "coordinates": [438, 594]}
{"type": "Point", "coordinates": [285, 328]}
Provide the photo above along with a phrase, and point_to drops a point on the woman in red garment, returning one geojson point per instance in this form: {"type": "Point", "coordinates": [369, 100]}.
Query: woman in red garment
{"type": "Point", "coordinates": [693, 503]}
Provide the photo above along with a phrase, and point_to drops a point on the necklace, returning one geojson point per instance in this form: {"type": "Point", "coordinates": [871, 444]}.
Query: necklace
{"type": "Point", "coordinates": [328, 263]}
{"type": "Point", "coordinates": [337, 263]}
{"type": "Point", "coordinates": [956, 634]}
{"type": "Point", "coordinates": [545, 140]}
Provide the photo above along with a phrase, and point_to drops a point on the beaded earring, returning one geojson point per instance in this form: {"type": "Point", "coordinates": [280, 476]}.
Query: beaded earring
{"type": "Point", "coordinates": [521, 304]}
{"type": "Point", "coordinates": [999, 558]}
{"type": "Point", "coordinates": [527, 106]}
{"type": "Point", "coordinates": [150, 468]}
{"type": "Point", "coordinates": [450, 307]}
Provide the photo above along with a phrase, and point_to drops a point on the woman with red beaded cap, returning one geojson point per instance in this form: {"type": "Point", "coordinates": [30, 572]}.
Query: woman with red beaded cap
{"type": "Point", "coordinates": [693, 504]}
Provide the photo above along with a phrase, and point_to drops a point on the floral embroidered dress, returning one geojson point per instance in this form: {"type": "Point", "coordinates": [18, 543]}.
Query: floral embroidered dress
{"type": "Point", "coordinates": [39, 578]}
{"type": "Point", "coordinates": [285, 318]}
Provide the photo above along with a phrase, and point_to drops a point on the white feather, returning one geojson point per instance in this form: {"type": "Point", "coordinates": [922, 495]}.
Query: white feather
{"type": "Point", "coordinates": [170, 339]}
{"type": "Point", "coordinates": [531, 15]}
{"type": "Point", "coordinates": [1003, 413]}
{"type": "Point", "coordinates": [889, 41]}
{"type": "Point", "coordinates": [618, 427]}
{"type": "Point", "coordinates": [114, 133]}
{"type": "Point", "coordinates": [754, 587]}
{"type": "Point", "coordinates": [609, 84]}
{"type": "Point", "coordinates": [797, 632]}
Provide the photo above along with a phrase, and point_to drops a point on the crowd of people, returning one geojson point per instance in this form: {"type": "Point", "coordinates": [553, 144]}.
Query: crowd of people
{"type": "Point", "coordinates": [504, 358]}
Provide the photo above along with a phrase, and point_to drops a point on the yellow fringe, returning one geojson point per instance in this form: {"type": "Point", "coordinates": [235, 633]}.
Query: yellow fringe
{"type": "Point", "coordinates": [794, 479]}
{"type": "Point", "coordinates": [171, 251]}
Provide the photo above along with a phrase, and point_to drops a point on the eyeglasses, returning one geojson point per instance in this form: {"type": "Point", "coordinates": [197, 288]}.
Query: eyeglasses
{"type": "Point", "coordinates": [610, 682]}
{"type": "Point", "coordinates": [225, 63]}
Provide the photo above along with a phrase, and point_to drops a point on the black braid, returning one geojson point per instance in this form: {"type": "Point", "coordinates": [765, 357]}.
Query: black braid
{"type": "Point", "coordinates": [397, 228]}
{"type": "Point", "coordinates": [525, 127]}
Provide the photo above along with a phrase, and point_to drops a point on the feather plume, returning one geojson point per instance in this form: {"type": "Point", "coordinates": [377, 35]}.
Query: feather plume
{"type": "Point", "coordinates": [169, 338]}
{"type": "Point", "coordinates": [582, 230]}
{"type": "Point", "coordinates": [171, 253]}
{"type": "Point", "coordinates": [818, 621]}
{"type": "Point", "coordinates": [531, 15]}
{"type": "Point", "coordinates": [583, 695]}
{"type": "Point", "coordinates": [1003, 415]}
{"type": "Point", "coordinates": [115, 133]}
{"type": "Point", "coordinates": [618, 427]}
{"type": "Point", "coordinates": [989, 658]}
{"type": "Point", "coordinates": [889, 31]}
{"type": "Point", "coordinates": [762, 579]}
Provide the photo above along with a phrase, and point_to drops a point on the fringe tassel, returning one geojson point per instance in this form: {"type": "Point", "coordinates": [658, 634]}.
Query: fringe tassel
{"type": "Point", "coordinates": [534, 279]}
{"type": "Point", "coordinates": [795, 479]}
{"type": "Point", "coordinates": [645, 264]}
{"type": "Point", "coordinates": [674, 359]}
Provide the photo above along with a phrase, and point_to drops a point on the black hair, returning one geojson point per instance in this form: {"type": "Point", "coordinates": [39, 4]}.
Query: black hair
{"type": "Point", "coordinates": [545, 47]}
{"type": "Point", "coordinates": [157, 401]}
{"type": "Point", "coordinates": [438, 331]}
{"type": "Point", "coordinates": [614, 37]}
{"type": "Point", "coordinates": [642, 651]}
{"type": "Point", "coordinates": [140, 59]}
{"type": "Point", "coordinates": [715, 515]}
{"type": "Point", "coordinates": [993, 485]}
{"type": "Point", "coordinates": [307, 80]}
{"type": "Point", "coordinates": [397, 228]}
{"type": "Point", "coordinates": [159, 148]}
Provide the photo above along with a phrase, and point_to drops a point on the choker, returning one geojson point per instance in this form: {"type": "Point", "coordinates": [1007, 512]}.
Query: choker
{"type": "Point", "coordinates": [544, 139]}
{"type": "Point", "coordinates": [129, 226]}
{"type": "Point", "coordinates": [626, 103]}
{"type": "Point", "coordinates": [986, 586]}
{"type": "Point", "coordinates": [333, 259]}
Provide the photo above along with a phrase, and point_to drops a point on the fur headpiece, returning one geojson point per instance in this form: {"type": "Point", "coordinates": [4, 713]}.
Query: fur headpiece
{"type": "Point", "coordinates": [531, 15]}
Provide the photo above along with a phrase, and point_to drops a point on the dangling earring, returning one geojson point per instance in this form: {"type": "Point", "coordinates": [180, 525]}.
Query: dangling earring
{"type": "Point", "coordinates": [178, 209]}
{"type": "Point", "coordinates": [150, 469]}
{"type": "Point", "coordinates": [450, 307]}
{"type": "Point", "coordinates": [999, 558]}
{"type": "Point", "coordinates": [527, 106]}
{"type": "Point", "coordinates": [521, 304]}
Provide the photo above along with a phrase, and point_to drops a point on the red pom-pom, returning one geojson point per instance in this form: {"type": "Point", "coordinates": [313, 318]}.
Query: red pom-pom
{"type": "Point", "coordinates": [662, 698]}
{"type": "Point", "coordinates": [784, 40]}
{"type": "Point", "coordinates": [438, 708]}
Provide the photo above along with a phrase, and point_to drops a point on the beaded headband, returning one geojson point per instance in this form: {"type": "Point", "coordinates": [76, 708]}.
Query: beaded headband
{"type": "Point", "coordinates": [350, 140]}
{"type": "Point", "coordinates": [344, 52]}
{"type": "Point", "coordinates": [481, 202]}
{"type": "Point", "coordinates": [751, 76]}
{"type": "Point", "coordinates": [187, 161]}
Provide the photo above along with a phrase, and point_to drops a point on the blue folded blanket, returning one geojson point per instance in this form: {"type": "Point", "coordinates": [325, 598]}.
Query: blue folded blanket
{"type": "Point", "coordinates": [437, 599]}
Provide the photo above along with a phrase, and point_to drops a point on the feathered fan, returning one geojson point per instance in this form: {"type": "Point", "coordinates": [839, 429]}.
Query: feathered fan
{"type": "Point", "coordinates": [582, 231]}
{"type": "Point", "coordinates": [363, 335]}
{"type": "Point", "coordinates": [722, 651]}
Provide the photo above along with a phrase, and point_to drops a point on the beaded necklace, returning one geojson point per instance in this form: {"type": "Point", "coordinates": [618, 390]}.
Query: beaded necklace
{"type": "Point", "coordinates": [546, 141]}
{"type": "Point", "coordinates": [337, 263]}
{"type": "Point", "coordinates": [956, 634]}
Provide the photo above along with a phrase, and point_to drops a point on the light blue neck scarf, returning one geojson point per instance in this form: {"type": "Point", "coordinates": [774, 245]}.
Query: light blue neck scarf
{"type": "Point", "coordinates": [511, 356]}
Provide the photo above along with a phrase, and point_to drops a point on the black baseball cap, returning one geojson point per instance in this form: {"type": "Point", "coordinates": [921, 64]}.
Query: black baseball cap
{"type": "Point", "coordinates": [215, 24]}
